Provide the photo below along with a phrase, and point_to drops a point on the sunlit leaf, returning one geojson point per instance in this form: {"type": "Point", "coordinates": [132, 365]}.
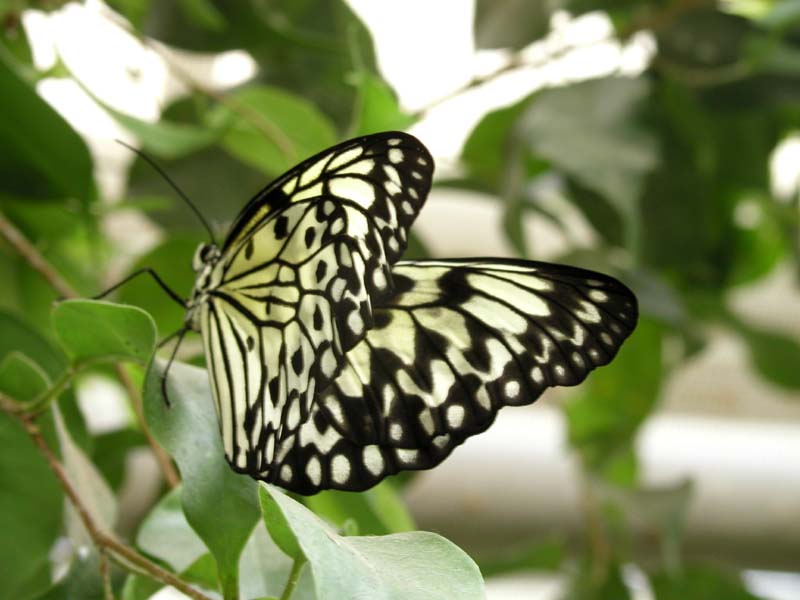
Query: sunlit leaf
{"type": "Point", "coordinates": [401, 566]}
{"type": "Point", "coordinates": [221, 506]}
{"type": "Point", "coordinates": [272, 129]}
{"type": "Point", "coordinates": [92, 329]}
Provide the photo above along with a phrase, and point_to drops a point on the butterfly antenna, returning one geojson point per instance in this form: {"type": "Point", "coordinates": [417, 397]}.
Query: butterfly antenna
{"type": "Point", "coordinates": [178, 190]}
{"type": "Point", "coordinates": [179, 334]}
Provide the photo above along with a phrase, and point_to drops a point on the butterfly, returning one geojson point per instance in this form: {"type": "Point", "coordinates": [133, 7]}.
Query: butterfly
{"type": "Point", "coordinates": [333, 363]}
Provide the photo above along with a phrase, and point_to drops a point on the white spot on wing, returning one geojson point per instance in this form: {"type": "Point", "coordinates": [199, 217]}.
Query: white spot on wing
{"type": "Point", "coordinates": [340, 468]}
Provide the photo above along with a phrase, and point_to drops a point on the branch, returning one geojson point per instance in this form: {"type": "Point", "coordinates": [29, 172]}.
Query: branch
{"type": "Point", "coordinates": [32, 256]}
{"type": "Point", "coordinates": [40, 264]}
{"type": "Point", "coordinates": [104, 542]}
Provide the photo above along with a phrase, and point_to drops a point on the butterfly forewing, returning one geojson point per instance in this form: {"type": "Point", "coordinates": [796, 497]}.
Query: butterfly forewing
{"type": "Point", "coordinates": [455, 342]}
{"type": "Point", "coordinates": [294, 290]}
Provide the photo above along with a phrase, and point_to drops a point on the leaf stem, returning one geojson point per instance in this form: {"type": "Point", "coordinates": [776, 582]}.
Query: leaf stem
{"type": "Point", "coordinates": [294, 577]}
{"type": "Point", "coordinates": [104, 541]}
{"type": "Point", "coordinates": [40, 264]}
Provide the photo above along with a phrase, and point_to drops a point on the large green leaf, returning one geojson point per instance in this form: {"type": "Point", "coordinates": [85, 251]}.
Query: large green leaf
{"type": "Point", "coordinates": [774, 355]}
{"type": "Point", "coordinates": [93, 329]}
{"type": "Point", "coordinates": [592, 131]}
{"type": "Point", "coordinates": [272, 129]}
{"type": "Point", "coordinates": [165, 534]}
{"type": "Point", "coordinates": [40, 154]}
{"type": "Point", "coordinates": [221, 506]}
{"type": "Point", "coordinates": [401, 566]}
{"type": "Point", "coordinates": [31, 500]}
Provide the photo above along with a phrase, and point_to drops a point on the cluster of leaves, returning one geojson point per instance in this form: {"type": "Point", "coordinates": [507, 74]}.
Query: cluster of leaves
{"type": "Point", "coordinates": [660, 165]}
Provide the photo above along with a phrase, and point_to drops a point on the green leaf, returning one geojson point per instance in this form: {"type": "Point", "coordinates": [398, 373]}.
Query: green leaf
{"type": "Point", "coordinates": [166, 139]}
{"type": "Point", "coordinates": [378, 109]}
{"type": "Point", "coordinates": [93, 329]}
{"type": "Point", "coordinates": [607, 410]}
{"type": "Point", "coordinates": [137, 587]}
{"type": "Point", "coordinates": [221, 506]}
{"type": "Point", "coordinates": [264, 570]}
{"type": "Point", "coordinates": [82, 581]}
{"type": "Point", "coordinates": [377, 511]}
{"type": "Point", "coordinates": [402, 566]}
{"type": "Point", "coordinates": [21, 378]}
{"type": "Point", "coordinates": [203, 13]}
{"type": "Point", "coordinates": [540, 556]}
{"type": "Point", "coordinates": [40, 154]}
{"type": "Point", "coordinates": [774, 355]}
{"type": "Point", "coordinates": [31, 500]}
{"type": "Point", "coordinates": [699, 582]}
{"type": "Point", "coordinates": [166, 534]}
{"type": "Point", "coordinates": [19, 336]}
{"type": "Point", "coordinates": [590, 131]}
{"type": "Point", "coordinates": [272, 130]}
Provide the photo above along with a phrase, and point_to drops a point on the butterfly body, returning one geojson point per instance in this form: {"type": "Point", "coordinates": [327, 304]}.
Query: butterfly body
{"type": "Point", "coordinates": [334, 364]}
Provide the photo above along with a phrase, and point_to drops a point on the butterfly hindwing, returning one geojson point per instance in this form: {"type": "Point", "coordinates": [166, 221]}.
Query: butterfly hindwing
{"type": "Point", "coordinates": [294, 289]}
{"type": "Point", "coordinates": [455, 342]}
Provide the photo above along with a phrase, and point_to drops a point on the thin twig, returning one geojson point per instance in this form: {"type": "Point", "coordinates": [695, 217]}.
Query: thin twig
{"type": "Point", "coordinates": [105, 574]}
{"type": "Point", "coordinates": [39, 263]}
{"type": "Point", "coordinates": [164, 461]}
{"type": "Point", "coordinates": [34, 258]}
{"type": "Point", "coordinates": [104, 541]}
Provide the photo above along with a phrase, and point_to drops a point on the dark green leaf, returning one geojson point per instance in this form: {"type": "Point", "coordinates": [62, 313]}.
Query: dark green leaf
{"type": "Point", "coordinates": [402, 566]}
{"type": "Point", "coordinates": [18, 336]}
{"type": "Point", "coordinates": [272, 129]}
{"type": "Point", "coordinates": [542, 556]}
{"type": "Point", "coordinates": [93, 329]}
{"type": "Point", "coordinates": [221, 506]}
{"type": "Point", "coordinates": [203, 13]}
{"type": "Point", "coordinates": [700, 583]}
{"type": "Point", "coordinates": [774, 355]}
{"type": "Point", "coordinates": [37, 147]}
{"type": "Point", "coordinates": [110, 451]}
{"type": "Point", "coordinates": [30, 498]}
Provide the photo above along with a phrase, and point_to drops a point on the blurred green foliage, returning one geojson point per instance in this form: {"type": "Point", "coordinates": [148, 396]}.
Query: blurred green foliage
{"type": "Point", "coordinates": [661, 165]}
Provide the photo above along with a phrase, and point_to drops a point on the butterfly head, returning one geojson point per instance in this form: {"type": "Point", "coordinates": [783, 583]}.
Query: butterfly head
{"type": "Point", "coordinates": [205, 258]}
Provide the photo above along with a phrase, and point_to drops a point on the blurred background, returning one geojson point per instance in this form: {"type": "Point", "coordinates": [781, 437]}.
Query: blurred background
{"type": "Point", "coordinates": [656, 140]}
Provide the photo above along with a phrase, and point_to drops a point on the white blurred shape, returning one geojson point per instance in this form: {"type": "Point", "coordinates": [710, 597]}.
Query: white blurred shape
{"type": "Point", "coordinates": [785, 168]}
{"type": "Point", "coordinates": [103, 403]}
{"type": "Point", "coordinates": [109, 60]}
{"type": "Point", "coordinates": [232, 68]}
{"type": "Point", "coordinates": [39, 29]}
{"type": "Point", "coordinates": [425, 49]}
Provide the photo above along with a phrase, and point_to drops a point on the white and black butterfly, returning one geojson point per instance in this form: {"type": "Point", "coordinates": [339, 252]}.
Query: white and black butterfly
{"type": "Point", "coordinates": [334, 364]}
